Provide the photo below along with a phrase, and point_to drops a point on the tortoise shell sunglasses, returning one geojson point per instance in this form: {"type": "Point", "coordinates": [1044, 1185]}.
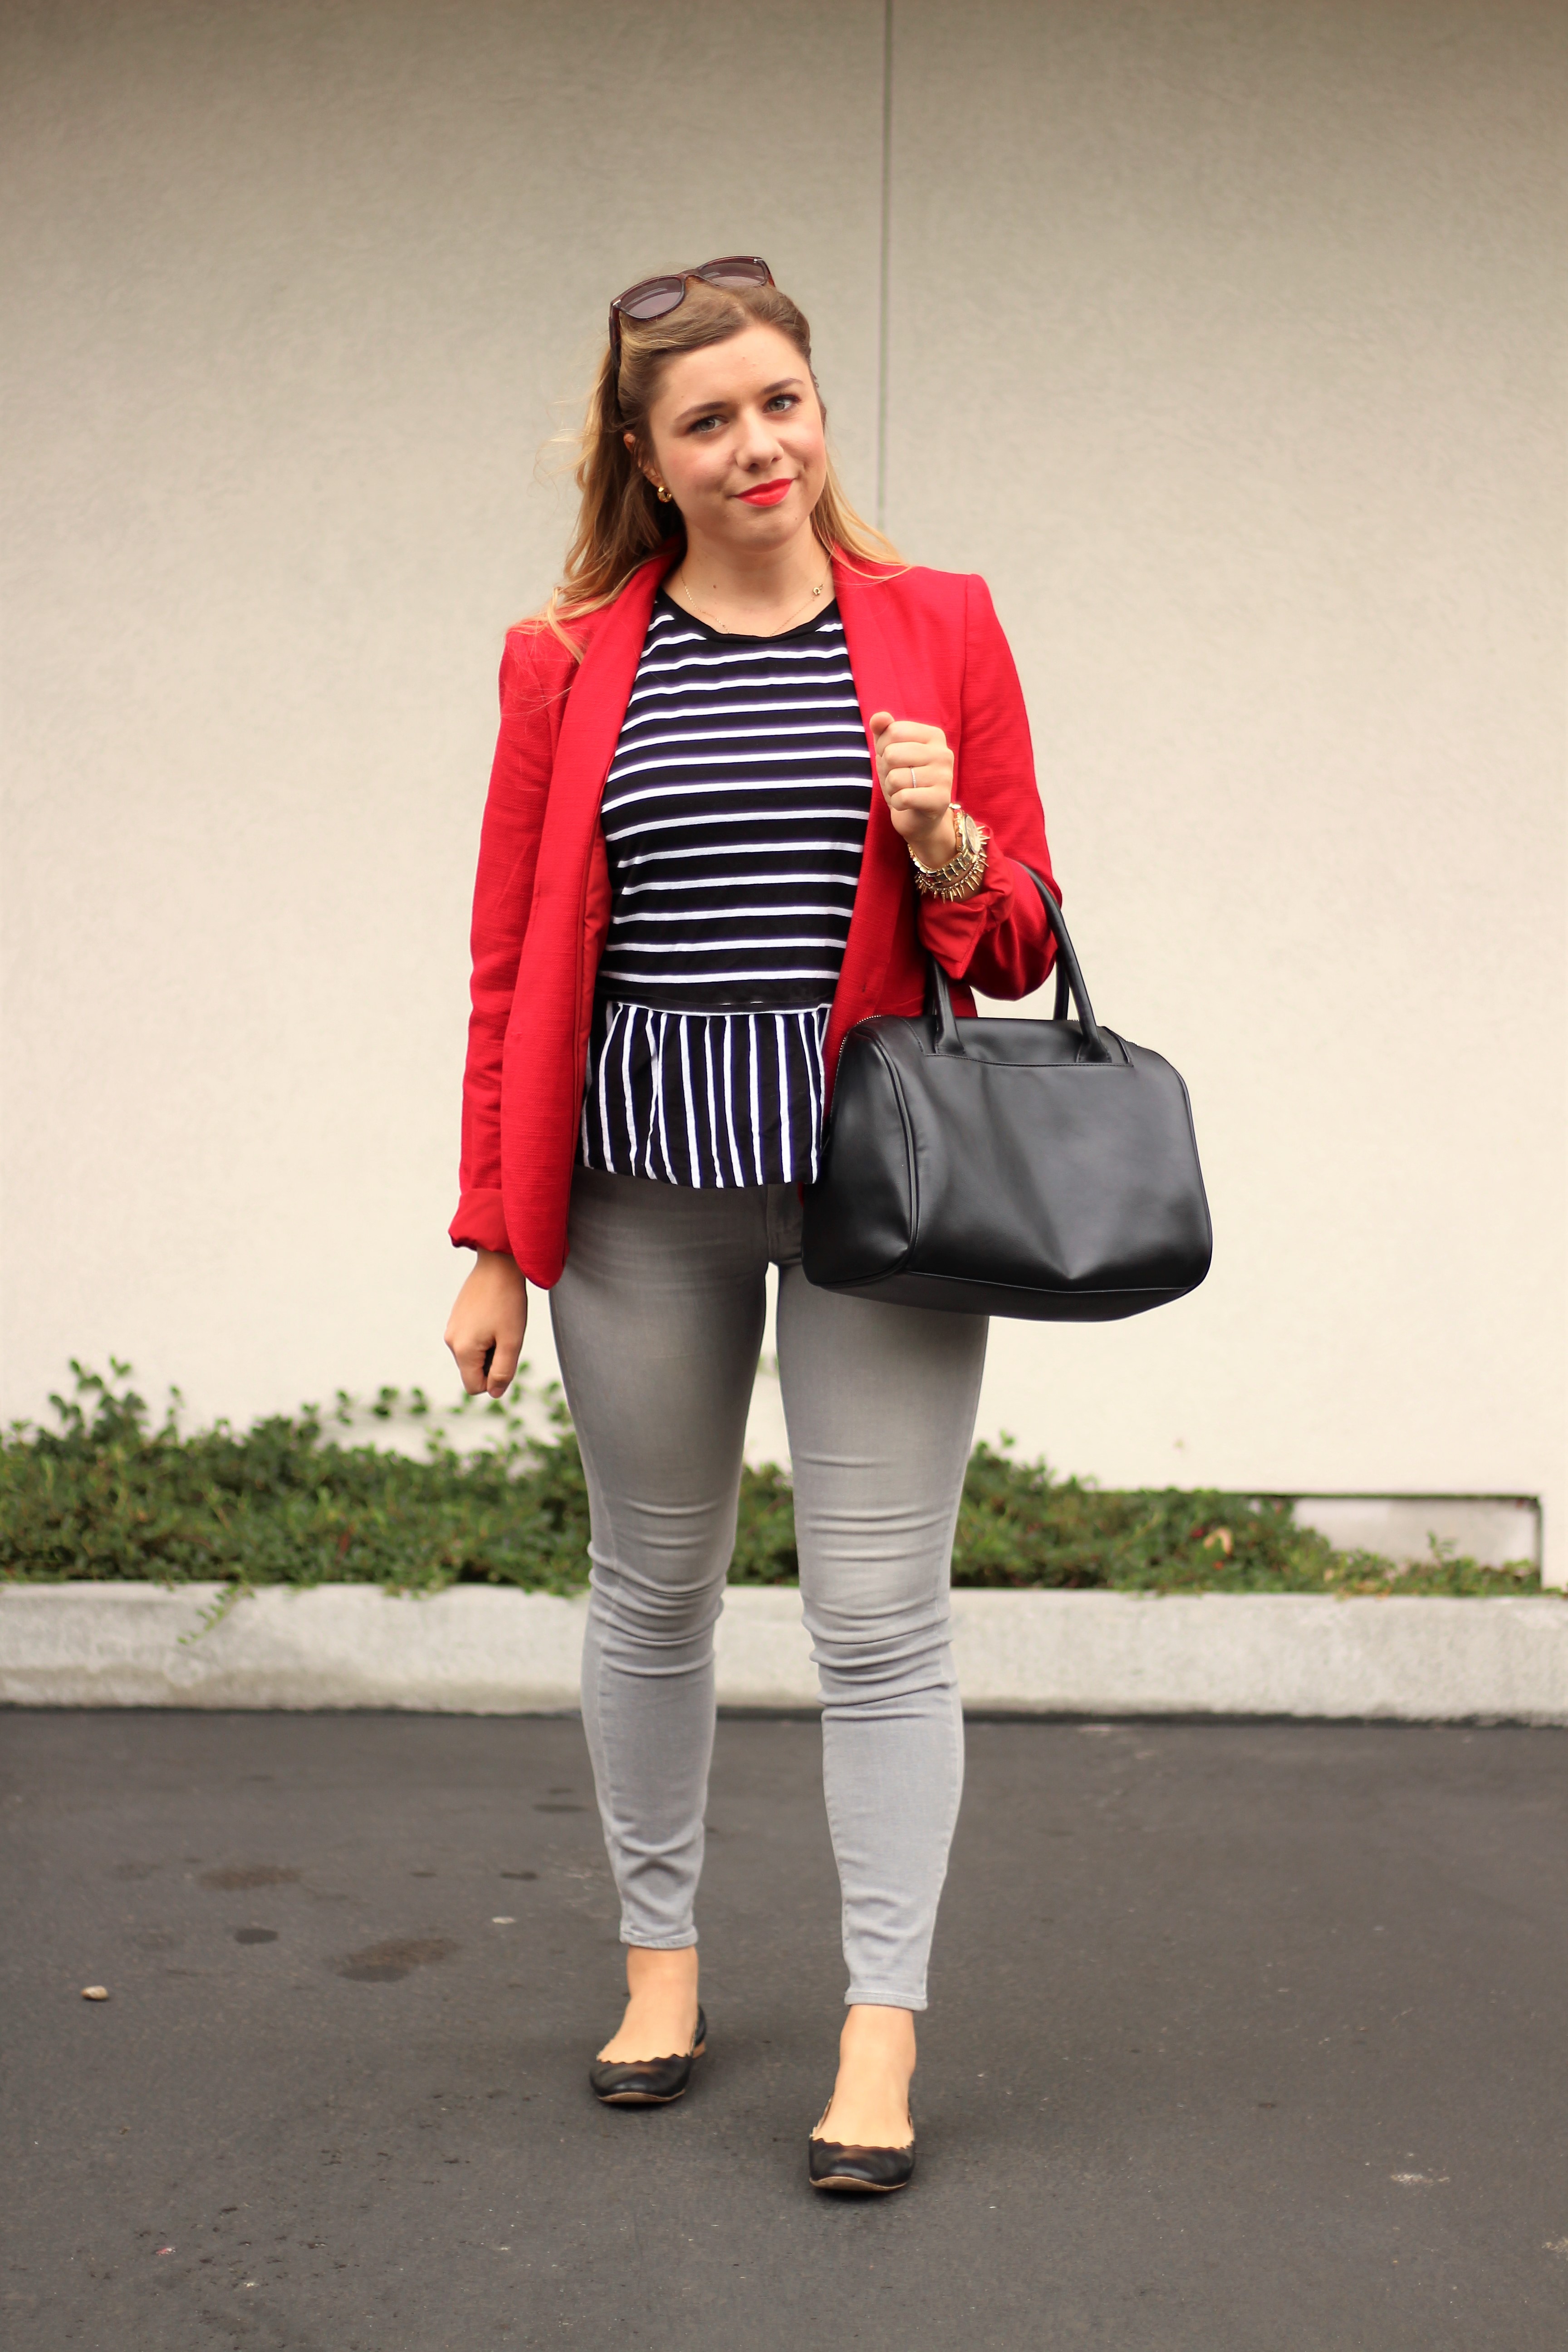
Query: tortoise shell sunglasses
{"type": "Point", "coordinates": [654, 298]}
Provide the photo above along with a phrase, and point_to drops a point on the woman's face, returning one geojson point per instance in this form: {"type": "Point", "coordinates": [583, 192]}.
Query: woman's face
{"type": "Point", "coordinates": [738, 440]}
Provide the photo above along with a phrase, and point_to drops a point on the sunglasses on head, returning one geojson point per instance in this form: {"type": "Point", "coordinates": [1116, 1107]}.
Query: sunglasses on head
{"type": "Point", "coordinates": [654, 298]}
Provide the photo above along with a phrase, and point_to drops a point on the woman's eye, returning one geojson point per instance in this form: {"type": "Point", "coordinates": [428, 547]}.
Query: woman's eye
{"type": "Point", "coordinates": [784, 400]}
{"type": "Point", "coordinates": [703, 423]}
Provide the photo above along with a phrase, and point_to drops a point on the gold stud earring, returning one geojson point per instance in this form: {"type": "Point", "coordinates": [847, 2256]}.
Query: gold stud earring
{"type": "Point", "coordinates": [666, 497]}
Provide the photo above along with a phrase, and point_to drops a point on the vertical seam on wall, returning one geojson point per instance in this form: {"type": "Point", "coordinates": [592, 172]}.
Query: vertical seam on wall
{"type": "Point", "coordinates": [882, 274]}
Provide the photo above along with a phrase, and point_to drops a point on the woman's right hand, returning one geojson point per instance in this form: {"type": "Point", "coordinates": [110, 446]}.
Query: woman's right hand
{"type": "Point", "coordinates": [485, 1329]}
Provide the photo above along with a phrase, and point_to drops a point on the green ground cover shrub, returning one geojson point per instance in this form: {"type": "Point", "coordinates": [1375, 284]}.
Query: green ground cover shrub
{"type": "Point", "coordinates": [111, 1493]}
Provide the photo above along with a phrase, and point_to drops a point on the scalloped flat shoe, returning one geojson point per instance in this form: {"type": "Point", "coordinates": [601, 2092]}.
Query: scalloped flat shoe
{"type": "Point", "coordinates": [647, 2081]}
{"type": "Point", "coordinates": [861, 2171]}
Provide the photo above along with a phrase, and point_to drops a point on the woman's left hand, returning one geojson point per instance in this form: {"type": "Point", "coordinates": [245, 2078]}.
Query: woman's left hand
{"type": "Point", "coordinates": [914, 767]}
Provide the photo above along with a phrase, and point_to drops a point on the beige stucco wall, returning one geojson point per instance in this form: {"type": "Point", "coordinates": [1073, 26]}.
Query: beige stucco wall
{"type": "Point", "coordinates": [1228, 342]}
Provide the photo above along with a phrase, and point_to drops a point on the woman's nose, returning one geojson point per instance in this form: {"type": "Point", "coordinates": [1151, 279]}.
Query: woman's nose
{"type": "Point", "coordinates": [758, 443]}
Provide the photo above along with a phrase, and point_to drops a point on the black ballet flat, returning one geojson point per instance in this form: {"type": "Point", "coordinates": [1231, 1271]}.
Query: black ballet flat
{"type": "Point", "coordinates": [647, 2081]}
{"type": "Point", "coordinates": [860, 2172]}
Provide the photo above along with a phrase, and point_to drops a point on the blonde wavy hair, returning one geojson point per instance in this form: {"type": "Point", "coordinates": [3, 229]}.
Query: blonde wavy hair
{"type": "Point", "coordinates": [620, 520]}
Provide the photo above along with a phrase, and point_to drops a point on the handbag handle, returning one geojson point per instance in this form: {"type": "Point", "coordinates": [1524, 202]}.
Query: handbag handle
{"type": "Point", "coordinates": [1070, 985]}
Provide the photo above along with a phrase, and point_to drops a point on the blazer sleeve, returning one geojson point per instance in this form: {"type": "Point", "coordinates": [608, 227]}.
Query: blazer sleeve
{"type": "Point", "coordinates": [503, 890]}
{"type": "Point", "coordinates": [998, 941]}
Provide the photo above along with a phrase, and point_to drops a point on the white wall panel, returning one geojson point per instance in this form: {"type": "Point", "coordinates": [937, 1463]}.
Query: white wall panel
{"type": "Point", "coordinates": [293, 291]}
{"type": "Point", "coordinates": [1232, 353]}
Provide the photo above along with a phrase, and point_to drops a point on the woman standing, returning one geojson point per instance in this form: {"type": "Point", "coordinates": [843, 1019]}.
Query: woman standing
{"type": "Point", "coordinates": [722, 827]}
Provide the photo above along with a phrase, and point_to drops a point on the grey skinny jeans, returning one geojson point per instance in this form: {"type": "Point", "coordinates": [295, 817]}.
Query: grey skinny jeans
{"type": "Point", "coordinates": [658, 1322]}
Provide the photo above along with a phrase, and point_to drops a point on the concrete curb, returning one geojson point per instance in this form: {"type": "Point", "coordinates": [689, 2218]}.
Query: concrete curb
{"type": "Point", "coordinates": [483, 1650]}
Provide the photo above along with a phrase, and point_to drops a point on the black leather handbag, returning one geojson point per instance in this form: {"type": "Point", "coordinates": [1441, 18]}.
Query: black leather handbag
{"type": "Point", "coordinates": [1043, 1169]}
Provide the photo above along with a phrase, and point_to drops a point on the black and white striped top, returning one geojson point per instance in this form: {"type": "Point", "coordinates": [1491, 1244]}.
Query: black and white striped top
{"type": "Point", "coordinates": [734, 817]}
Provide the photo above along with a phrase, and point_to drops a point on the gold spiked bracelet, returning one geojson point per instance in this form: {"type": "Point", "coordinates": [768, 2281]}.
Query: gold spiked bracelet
{"type": "Point", "coordinates": [962, 874]}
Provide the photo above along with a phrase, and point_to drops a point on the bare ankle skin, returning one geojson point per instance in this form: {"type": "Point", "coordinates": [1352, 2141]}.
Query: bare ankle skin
{"type": "Point", "coordinates": [871, 2104]}
{"type": "Point", "coordinates": [661, 2006]}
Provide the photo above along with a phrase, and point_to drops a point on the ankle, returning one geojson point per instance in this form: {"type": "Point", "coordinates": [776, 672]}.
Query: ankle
{"type": "Point", "coordinates": [662, 1975]}
{"type": "Point", "coordinates": [879, 2039]}
{"type": "Point", "coordinates": [870, 2102]}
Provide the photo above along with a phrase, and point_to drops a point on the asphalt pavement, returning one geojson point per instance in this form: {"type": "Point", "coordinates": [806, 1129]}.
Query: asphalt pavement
{"type": "Point", "coordinates": [1243, 2038]}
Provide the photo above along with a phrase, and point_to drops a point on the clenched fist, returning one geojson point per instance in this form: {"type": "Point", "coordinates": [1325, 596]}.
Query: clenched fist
{"type": "Point", "coordinates": [914, 767]}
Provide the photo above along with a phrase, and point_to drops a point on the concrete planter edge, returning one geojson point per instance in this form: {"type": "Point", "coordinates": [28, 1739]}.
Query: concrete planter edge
{"type": "Point", "coordinates": [486, 1650]}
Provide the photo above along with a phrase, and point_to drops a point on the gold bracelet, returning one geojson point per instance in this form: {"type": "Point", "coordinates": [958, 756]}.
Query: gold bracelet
{"type": "Point", "coordinates": [962, 874]}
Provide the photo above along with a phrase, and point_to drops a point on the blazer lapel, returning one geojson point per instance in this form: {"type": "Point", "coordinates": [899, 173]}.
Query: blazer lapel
{"type": "Point", "coordinates": [595, 708]}
{"type": "Point", "coordinates": [883, 893]}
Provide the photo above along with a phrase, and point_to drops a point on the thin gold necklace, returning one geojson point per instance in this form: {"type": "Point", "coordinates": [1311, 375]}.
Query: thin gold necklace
{"type": "Point", "coordinates": [819, 590]}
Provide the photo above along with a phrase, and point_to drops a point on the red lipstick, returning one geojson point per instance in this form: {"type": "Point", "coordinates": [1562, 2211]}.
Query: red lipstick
{"type": "Point", "coordinates": [768, 494]}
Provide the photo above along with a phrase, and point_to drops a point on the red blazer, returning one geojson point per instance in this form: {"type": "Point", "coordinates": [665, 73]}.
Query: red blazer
{"type": "Point", "coordinates": [926, 645]}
